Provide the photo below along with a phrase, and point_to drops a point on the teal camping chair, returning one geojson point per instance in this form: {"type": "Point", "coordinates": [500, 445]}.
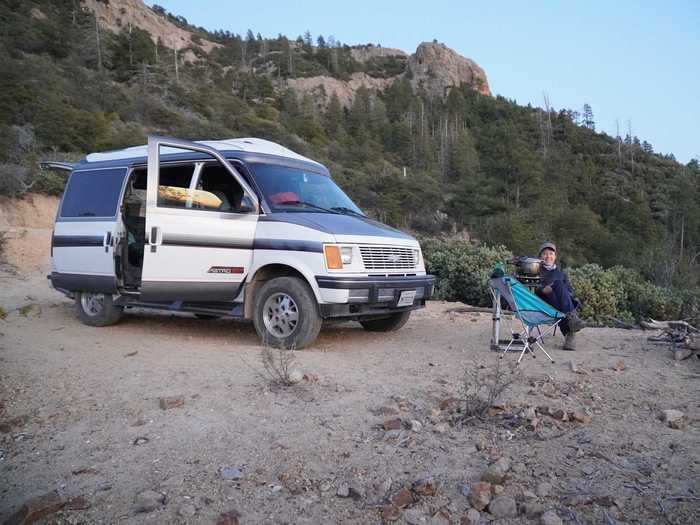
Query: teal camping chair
{"type": "Point", "coordinates": [530, 310]}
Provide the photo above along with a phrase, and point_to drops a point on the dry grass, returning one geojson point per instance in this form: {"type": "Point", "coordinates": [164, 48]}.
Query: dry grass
{"type": "Point", "coordinates": [278, 364]}
{"type": "Point", "coordinates": [484, 385]}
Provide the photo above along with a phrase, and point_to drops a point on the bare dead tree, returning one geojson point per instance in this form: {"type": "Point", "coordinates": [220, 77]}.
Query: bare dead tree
{"type": "Point", "coordinates": [619, 142]}
{"type": "Point", "coordinates": [177, 70]}
{"type": "Point", "coordinates": [631, 144]}
{"type": "Point", "coordinates": [99, 50]}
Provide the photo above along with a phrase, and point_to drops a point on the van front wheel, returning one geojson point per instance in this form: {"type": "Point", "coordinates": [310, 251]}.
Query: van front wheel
{"type": "Point", "coordinates": [386, 324]}
{"type": "Point", "coordinates": [97, 309]}
{"type": "Point", "coordinates": [285, 313]}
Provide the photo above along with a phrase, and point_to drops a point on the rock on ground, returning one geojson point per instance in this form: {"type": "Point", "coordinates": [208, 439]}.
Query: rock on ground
{"type": "Point", "coordinates": [551, 518]}
{"type": "Point", "coordinates": [503, 507]}
{"type": "Point", "coordinates": [497, 471]}
{"type": "Point", "coordinates": [148, 501]}
{"type": "Point", "coordinates": [480, 495]}
{"type": "Point", "coordinates": [472, 517]}
{"type": "Point", "coordinates": [674, 419]}
{"type": "Point", "coordinates": [37, 508]}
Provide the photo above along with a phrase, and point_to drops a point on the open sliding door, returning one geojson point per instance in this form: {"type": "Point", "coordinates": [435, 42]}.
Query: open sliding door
{"type": "Point", "coordinates": [200, 224]}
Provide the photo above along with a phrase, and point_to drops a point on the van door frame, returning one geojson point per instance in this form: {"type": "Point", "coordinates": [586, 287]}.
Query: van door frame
{"type": "Point", "coordinates": [197, 277]}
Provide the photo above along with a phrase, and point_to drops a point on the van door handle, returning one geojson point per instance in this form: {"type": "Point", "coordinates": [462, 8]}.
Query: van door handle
{"type": "Point", "coordinates": [107, 241]}
{"type": "Point", "coordinates": [155, 238]}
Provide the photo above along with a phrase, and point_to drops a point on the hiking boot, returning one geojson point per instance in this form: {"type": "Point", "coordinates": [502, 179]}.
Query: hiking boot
{"type": "Point", "coordinates": [570, 342]}
{"type": "Point", "coordinates": [576, 324]}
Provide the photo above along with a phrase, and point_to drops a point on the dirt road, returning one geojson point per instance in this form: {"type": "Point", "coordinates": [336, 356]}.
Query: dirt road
{"type": "Point", "coordinates": [80, 415]}
{"type": "Point", "coordinates": [82, 428]}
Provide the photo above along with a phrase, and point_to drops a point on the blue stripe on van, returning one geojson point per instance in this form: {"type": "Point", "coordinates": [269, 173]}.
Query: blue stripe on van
{"type": "Point", "coordinates": [64, 241]}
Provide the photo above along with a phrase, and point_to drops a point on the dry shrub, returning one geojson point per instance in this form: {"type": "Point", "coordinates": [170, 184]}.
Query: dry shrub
{"type": "Point", "coordinates": [278, 364]}
{"type": "Point", "coordinates": [484, 385]}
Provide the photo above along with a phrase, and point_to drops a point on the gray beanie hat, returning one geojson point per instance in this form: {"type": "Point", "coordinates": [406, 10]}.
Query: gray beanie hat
{"type": "Point", "coordinates": [547, 246]}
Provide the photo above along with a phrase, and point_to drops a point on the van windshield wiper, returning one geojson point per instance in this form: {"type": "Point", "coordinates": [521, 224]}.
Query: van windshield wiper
{"type": "Point", "coordinates": [308, 204]}
{"type": "Point", "coordinates": [343, 209]}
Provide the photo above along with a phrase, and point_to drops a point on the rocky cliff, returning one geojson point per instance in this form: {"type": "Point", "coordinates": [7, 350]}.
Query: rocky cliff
{"type": "Point", "coordinates": [437, 68]}
{"type": "Point", "coordinates": [117, 15]}
{"type": "Point", "coordinates": [434, 67]}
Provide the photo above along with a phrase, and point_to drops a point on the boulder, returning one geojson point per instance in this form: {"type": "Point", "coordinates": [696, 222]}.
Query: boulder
{"type": "Point", "coordinates": [503, 507]}
{"type": "Point", "coordinates": [480, 495]}
{"type": "Point", "coordinates": [496, 472]}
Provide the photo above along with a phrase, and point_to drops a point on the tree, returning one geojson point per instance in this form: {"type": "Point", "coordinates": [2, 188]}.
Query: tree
{"type": "Point", "coordinates": [358, 118]}
{"type": "Point", "coordinates": [333, 118]}
{"type": "Point", "coordinates": [588, 121]}
{"type": "Point", "coordinates": [131, 48]}
{"type": "Point", "coordinates": [307, 43]}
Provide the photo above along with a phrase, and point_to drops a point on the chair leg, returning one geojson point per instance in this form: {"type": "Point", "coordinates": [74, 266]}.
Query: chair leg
{"type": "Point", "coordinates": [507, 348]}
{"type": "Point", "coordinates": [544, 351]}
{"type": "Point", "coordinates": [526, 348]}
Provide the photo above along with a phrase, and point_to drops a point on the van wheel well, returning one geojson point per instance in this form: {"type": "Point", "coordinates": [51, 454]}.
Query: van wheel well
{"type": "Point", "coordinates": [265, 274]}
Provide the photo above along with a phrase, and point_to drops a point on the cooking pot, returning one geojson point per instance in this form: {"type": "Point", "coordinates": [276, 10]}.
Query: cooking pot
{"type": "Point", "coordinates": [529, 266]}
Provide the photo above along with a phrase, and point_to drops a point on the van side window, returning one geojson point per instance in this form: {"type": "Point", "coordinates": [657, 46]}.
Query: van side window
{"type": "Point", "coordinates": [173, 186]}
{"type": "Point", "coordinates": [93, 193]}
{"type": "Point", "coordinates": [222, 191]}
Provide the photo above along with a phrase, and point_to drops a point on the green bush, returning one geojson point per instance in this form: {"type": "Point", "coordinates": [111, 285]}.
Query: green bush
{"type": "Point", "coordinates": [644, 300]}
{"type": "Point", "coordinates": [601, 293]}
{"type": "Point", "coordinates": [624, 294]}
{"type": "Point", "coordinates": [462, 269]}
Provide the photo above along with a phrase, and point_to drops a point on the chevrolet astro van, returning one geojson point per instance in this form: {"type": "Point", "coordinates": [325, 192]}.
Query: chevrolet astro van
{"type": "Point", "coordinates": [231, 228]}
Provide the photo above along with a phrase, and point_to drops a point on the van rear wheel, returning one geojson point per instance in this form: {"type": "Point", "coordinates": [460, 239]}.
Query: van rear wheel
{"type": "Point", "coordinates": [97, 309]}
{"type": "Point", "coordinates": [386, 324]}
{"type": "Point", "coordinates": [286, 314]}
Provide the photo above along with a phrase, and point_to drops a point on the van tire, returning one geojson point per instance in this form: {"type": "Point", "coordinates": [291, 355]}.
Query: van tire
{"type": "Point", "coordinates": [97, 309]}
{"type": "Point", "coordinates": [286, 314]}
{"type": "Point", "coordinates": [386, 324]}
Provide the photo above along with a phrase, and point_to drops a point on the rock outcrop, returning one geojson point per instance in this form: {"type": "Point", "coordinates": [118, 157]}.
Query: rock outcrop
{"type": "Point", "coordinates": [365, 53]}
{"type": "Point", "coordinates": [116, 16]}
{"type": "Point", "coordinates": [434, 68]}
{"type": "Point", "coordinates": [437, 68]}
{"type": "Point", "coordinates": [344, 89]}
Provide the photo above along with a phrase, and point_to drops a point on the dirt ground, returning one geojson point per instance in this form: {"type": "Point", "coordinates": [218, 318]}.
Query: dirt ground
{"type": "Point", "coordinates": [80, 414]}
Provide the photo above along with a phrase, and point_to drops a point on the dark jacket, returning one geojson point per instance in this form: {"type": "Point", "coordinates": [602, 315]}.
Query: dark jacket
{"type": "Point", "coordinates": [548, 277]}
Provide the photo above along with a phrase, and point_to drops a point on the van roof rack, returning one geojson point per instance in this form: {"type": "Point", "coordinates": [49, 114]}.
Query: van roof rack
{"type": "Point", "coordinates": [56, 165]}
{"type": "Point", "coordinates": [248, 144]}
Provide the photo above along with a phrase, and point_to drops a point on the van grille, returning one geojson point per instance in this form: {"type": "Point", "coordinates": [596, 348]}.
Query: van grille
{"type": "Point", "coordinates": [388, 258]}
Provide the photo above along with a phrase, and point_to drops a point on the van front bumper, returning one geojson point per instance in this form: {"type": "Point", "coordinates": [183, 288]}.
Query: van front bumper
{"type": "Point", "coordinates": [368, 296]}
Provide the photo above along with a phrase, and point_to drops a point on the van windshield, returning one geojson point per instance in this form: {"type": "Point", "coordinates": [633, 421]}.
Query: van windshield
{"type": "Point", "coordinates": [293, 190]}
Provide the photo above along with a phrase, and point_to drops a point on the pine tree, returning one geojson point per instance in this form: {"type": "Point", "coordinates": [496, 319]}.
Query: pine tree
{"type": "Point", "coordinates": [588, 121]}
{"type": "Point", "coordinates": [333, 118]}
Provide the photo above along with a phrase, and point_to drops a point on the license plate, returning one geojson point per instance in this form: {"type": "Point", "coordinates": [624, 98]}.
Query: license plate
{"type": "Point", "coordinates": [406, 298]}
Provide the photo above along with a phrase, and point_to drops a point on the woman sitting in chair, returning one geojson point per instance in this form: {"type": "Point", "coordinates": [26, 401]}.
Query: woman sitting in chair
{"type": "Point", "coordinates": [555, 289]}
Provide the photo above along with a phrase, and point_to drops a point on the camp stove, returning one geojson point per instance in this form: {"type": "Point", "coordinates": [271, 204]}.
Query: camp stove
{"type": "Point", "coordinates": [527, 270]}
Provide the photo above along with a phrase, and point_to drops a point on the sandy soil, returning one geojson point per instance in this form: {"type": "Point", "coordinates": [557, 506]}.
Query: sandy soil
{"type": "Point", "coordinates": [80, 415]}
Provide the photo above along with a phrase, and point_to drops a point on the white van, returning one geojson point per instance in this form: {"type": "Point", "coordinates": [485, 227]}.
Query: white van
{"type": "Point", "coordinates": [240, 228]}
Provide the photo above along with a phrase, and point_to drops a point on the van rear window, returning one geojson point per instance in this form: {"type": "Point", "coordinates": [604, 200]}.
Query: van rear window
{"type": "Point", "coordinates": [93, 193]}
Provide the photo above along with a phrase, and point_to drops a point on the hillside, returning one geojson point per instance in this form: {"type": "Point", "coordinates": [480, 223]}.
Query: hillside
{"type": "Point", "coordinates": [416, 139]}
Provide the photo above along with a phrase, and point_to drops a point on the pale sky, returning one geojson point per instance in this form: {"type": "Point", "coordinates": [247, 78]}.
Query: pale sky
{"type": "Point", "coordinates": [631, 61]}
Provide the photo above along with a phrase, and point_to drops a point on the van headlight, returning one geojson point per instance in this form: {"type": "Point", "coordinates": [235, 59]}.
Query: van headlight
{"type": "Point", "coordinates": [337, 256]}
